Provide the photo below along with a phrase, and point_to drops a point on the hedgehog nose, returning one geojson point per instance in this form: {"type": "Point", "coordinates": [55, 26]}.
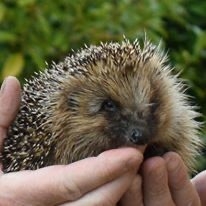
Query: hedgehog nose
{"type": "Point", "coordinates": [137, 136]}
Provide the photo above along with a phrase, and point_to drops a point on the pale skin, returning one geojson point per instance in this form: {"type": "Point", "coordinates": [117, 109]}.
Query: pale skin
{"type": "Point", "coordinates": [115, 176]}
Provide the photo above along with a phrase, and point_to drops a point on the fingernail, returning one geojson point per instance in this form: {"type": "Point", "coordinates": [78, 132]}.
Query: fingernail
{"type": "Point", "coordinates": [3, 86]}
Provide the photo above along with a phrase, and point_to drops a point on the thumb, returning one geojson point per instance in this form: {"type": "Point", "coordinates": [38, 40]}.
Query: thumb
{"type": "Point", "coordinates": [9, 104]}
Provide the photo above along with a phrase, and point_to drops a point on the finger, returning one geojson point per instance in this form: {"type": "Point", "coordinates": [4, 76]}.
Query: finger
{"type": "Point", "coordinates": [108, 194]}
{"type": "Point", "coordinates": [133, 196]}
{"type": "Point", "coordinates": [9, 103]}
{"type": "Point", "coordinates": [155, 183]}
{"type": "Point", "coordinates": [182, 190]}
{"type": "Point", "coordinates": [57, 184]}
{"type": "Point", "coordinates": [199, 183]}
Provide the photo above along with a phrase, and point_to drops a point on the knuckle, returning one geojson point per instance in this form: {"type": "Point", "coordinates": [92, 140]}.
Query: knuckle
{"type": "Point", "coordinates": [72, 191]}
{"type": "Point", "coordinates": [158, 192]}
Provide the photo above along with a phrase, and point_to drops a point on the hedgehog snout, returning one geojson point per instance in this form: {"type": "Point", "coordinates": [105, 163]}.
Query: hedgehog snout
{"type": "Point", "coordinates": [138, 135]}
{"type": "Point", "coordinates": [133, 129]}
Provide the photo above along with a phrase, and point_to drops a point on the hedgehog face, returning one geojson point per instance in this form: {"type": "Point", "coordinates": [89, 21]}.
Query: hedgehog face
{"type": "Point", "coordinates": [119, 110]}
{"type": "Point", "coordinates": [120, 95]}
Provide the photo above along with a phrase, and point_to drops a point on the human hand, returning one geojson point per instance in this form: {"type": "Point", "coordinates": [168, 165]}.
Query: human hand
{"type": "Point", "coordinates": [165, 182]}
{"type": "Point", "coordinates": [98, 180]}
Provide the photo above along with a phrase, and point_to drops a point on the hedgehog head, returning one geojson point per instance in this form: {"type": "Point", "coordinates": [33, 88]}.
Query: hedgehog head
{"type": "Point", "coordinates": [119, 95]}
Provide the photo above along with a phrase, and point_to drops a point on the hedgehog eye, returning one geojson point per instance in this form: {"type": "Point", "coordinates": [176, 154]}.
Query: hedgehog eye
{"type": "Point", "coordinates": [109, 106]}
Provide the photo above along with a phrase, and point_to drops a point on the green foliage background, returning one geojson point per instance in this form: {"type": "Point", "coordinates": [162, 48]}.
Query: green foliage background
{"type": "Point", "coordinates": [33, 32]}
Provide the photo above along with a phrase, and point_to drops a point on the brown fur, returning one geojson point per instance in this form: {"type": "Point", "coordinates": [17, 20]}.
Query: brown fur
{"type": "Point", "coordinates": [70, 123]}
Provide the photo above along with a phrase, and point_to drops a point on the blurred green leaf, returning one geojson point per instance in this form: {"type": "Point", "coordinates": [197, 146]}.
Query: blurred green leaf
{"type": "Point", "coordinates": [7, 36]}
{"type": "Point", "coordinates": [2, 11]}
{"type": "Point", "coordinates": [25, 2]}
{"type": "Point", "coordinates": [13, 65]}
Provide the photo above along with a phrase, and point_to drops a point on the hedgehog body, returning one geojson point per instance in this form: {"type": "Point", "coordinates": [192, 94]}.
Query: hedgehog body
{"type": "Point", "coordinates": [100, 98]}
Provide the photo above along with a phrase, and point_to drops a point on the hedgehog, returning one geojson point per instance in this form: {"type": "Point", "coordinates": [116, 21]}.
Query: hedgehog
{"type": "Point", "coordinates": [99, 98]}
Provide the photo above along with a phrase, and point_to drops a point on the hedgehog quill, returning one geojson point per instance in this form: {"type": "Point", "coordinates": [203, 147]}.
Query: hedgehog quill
{"type": "Point", "coordinates": [99, 98]}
